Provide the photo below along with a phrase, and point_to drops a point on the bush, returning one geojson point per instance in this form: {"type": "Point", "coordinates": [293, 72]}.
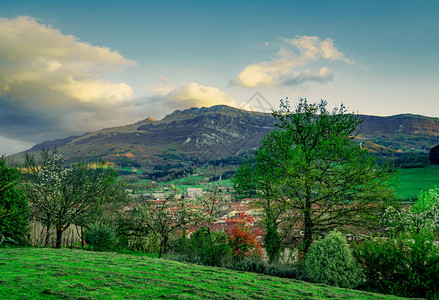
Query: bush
{"type": "Point", "coordinates": [285, 271]}
{"type": "Point", "coordinates": [101, 237]}
{"type": "Point", "coordinates": [278, 270]}
{"type": "Point", "coordinates": [211, 248]}
{"type": "Point", "coordinates": [249, 265]}
{"type": "Point", "coordinates": [330, 261]}
{"type": "Point", "coordinates": [405, 264]}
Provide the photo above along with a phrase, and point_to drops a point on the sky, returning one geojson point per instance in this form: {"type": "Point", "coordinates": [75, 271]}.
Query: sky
{"type": "Point", "coordinates": [70, 67]}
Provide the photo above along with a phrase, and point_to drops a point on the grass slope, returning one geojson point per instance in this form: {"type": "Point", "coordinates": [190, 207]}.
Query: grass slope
{"type": "Point", "coordinates": [37, 273]}
{"type": "Point", "coordinates": [413, 181]}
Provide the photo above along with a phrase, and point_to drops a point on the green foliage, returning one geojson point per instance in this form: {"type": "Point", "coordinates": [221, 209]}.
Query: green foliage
{"type": "Point", "coordinates": [411, 159]}
{"type": "Point", "coordinates": [249, 264]}
{"type": "Point", "coordinates": [14, 209]}
{"type": "Point", "coordinates": [147, 243]}
{"type": "Point", "coordinates": [5, 239]}
{"type": "Point", "coordinates": [101, 237]}
{"type": "Point", "coordinates": [405, 264]}
{"type": "Point", "coordinates": [278, 270]}
{"type": "Point", "coordinates": [211, 248]}
{"type": "Point", "coordinates": [272, 242]}
{"type": "Point", "coordinates": [309, 173]}
{"type": "Point", "coordinates": [330, 261]}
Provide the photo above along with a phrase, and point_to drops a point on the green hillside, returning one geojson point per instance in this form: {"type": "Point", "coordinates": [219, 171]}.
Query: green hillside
{"type": "Point", "coordinates": [39, 273]}
{"type": "Point", "coordinates": [413, 181]}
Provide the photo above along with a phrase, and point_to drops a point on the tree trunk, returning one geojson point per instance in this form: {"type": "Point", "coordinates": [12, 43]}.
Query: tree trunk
{"type": "Point", "coordinates": [59, 231]}
{"type": "Point", "coordinates": [307, 220]}
{"type": "Point", "coordinates": [47, 242]}
{"type": "Point", "coordinates": [163, 246]}
{"type": "Point", "coordinates": [308, 226]}
{"type": "Point", "coordinates": [183, 233]}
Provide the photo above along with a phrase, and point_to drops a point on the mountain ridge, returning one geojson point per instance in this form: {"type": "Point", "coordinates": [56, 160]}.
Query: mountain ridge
{"type": "Point", "coordinates": [218, 132]}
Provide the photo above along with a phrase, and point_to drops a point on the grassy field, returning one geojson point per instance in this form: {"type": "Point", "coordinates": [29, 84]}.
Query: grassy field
{"type": "Point", "coordinates": [39, 273]}
{"type": "Point", "coordinates": [412, 181]}
{"type": "Point", "coordinates": [178, 184]}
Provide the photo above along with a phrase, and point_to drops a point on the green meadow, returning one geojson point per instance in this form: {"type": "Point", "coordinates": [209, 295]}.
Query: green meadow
{"type": "Point", "coordinates": [414, 180]}
{"type": "Point", "coordinates": [42, 273]}
{"type": "Point", "coordinates": [410, 182]}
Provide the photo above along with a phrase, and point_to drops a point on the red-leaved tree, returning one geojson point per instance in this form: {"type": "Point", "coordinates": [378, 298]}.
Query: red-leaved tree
{"type": "Point", "coordinates": [243, 238]}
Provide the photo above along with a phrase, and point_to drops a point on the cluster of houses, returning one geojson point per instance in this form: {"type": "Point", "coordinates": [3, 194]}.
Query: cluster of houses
{"type": "Point", "coordinates": [227, 217]}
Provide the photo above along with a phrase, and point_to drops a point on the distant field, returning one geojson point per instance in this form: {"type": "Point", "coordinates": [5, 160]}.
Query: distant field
{"type": "Point", "coordinates": [178, 183]}
{"type": "Point", "coordinates": [39, 273]}
{"type": "Point", "coordinates": [412, 181]}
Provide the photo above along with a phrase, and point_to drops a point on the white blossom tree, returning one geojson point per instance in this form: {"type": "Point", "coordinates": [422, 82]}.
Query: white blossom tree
{"type": "Point", "coordinates": [60, 195]}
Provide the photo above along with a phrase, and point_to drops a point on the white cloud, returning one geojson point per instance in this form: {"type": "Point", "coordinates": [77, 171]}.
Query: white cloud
{"type": "Point", "coordinates": [283, 70]}
{"type": "Point", "coordinates": [92, 90]}
{"type": "Point", "coordinates": [195, 95]}
{"type": "Point", "coordinates": [52, 84]}
{"type": "Point", "coordinates": [311, 47]}
{"type": "Point", "coordinates": [32, 53]}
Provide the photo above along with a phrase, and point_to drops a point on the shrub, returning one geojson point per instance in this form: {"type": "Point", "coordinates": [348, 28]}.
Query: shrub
{"type": "Point", "coordinates": [249, 265]}
{"type": "Point", "coordinates": [101, 237]}
{"type": "Point", "coordinates": [286, 271]}
{"type": "Point", "coordinates": [405, 264]}
{"type": "Point", "coordinates": [330, 261]}
{"type": "Point", "coordinates": [211, 248]}
{"type": "Point", "coordinates": [257, 266]}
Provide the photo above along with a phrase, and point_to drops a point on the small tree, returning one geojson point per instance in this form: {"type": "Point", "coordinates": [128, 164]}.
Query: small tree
{"type": "Point", "coordinates": [14, 209]}
{"type": "Point", "coordinates": [210, 248]}
{"type": "Point", "coordinates": [243, 239]}
{"type": "Point", "coordinates": [331, 262]}
{"type": "Point", "coordinates": [311, 171]}
{"type": "Point", "coordinates": [211, 204]}
{"type": "Point", "coordinates": [101, 237]}
{"type": "Point", "coordinates": [61, 196]}
{"type": "Point", "coordinates": [164, 217]}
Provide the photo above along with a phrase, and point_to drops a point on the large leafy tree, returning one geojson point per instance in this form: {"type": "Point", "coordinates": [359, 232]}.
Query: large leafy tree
{"type": "Point", "coordinates": [14, 209]}
{"type": "Point", "coordinates": [310, 174]}
{"type": "Point", "coordinates": [61, 196]}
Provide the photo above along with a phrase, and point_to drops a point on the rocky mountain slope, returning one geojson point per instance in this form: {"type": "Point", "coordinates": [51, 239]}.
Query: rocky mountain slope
{"type": "Point", "coordinates": [220, 132]}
